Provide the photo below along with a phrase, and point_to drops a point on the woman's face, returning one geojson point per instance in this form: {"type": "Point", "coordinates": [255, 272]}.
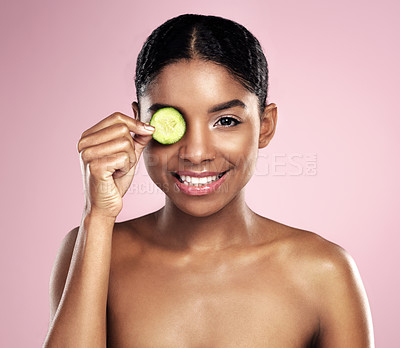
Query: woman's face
{"type": "Point", "coordinates": [216, 157]}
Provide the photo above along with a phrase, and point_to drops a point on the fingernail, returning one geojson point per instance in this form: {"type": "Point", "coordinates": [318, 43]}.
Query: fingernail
{"type": "Point", "coordinates": [148, 127]}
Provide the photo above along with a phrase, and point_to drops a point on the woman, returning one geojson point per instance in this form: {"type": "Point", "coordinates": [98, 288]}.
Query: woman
{"type": "Point", "coordinates": [205, 270]}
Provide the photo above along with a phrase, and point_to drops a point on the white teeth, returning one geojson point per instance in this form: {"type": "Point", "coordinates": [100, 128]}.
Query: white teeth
{"type": "Point", "coordinates": [203, 180]}
{"type": "Point", "coordinates": [197, 181]}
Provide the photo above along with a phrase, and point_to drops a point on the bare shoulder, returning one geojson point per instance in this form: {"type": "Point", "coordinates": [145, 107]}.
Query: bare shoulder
{"type": "Point", "coordinates": [311, 251]}
{"type": "Point", "coordinates": [329, 275]}
{"type": "Point", "coordinates": [315, 258]}
{"type": "Point", "coordinates": [329, 263]}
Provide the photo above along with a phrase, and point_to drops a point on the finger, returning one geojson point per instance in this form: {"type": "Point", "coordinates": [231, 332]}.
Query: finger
{"type": "Point", "coordinates": [103, 168]}
{"type": "Point", "coordinates": [115, 131]}
{"type": "Point", "coordinates": [133, 125]}
{"type": "Point", "coordinates": [97, 152]}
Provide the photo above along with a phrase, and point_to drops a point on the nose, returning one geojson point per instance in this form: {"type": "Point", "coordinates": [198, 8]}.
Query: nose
{"type": "Point", "coordinates": [197, 145]}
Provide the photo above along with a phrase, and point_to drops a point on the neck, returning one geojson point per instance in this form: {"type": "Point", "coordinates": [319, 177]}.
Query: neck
{"type": "Point", "coordinates": [233, 225]}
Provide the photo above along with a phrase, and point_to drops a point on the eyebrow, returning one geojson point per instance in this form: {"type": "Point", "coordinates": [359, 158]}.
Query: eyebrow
{"type": "Point", "coordinates": [223, 106]}
{"type": "Point", "coordinates": [227, 105]}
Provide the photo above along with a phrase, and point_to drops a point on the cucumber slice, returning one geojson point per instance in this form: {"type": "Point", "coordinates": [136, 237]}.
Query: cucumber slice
{"type": "Point", "coordinates": [169, 125]}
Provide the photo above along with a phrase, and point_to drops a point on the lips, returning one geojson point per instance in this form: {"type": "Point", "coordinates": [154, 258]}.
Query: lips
{"type": "Point", "coordinates": [195, 184]}
{"type": "Point", "coordinates": [198, 179]}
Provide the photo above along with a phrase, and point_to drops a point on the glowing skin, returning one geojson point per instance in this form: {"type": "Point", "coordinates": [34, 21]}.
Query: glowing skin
{"type": "Point", "coordinates": [225, 140]}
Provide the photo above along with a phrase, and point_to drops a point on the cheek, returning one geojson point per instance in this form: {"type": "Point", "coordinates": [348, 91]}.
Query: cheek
{"type": "Point", "coordinates": [242, 149]}
{"type": "Point", "coordinates": [153, 162]}
{"type": "Point", "coordinates": [157, 158]}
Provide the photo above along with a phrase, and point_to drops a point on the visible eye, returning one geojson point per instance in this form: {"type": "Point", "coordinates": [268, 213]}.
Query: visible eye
{"type": "Point", "coordinates": [228, 121]}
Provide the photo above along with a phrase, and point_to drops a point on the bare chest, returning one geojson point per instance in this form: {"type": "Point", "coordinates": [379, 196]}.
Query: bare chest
{"type": "Point", "coordinates": [152, 305]}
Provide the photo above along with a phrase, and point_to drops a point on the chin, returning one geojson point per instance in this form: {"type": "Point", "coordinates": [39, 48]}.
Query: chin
{"type": "Point", "coordinates": [203, 206]}
{"type": "Point", "coordinates": [198, 210]}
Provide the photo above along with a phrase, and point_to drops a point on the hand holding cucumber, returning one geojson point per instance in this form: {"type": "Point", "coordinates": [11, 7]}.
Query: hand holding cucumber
{"type": "Point", "coordinates": [109, 156]}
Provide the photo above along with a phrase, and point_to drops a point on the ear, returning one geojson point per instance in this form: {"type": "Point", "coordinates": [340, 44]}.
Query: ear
{"type": "Point", "coordinates": [267, 125]}
{"type": "Point", "coordinates": [135, 108]}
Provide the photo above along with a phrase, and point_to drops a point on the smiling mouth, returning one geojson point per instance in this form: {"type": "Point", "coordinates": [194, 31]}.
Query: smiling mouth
{"type": "Point", "coordinates": [198, 181]}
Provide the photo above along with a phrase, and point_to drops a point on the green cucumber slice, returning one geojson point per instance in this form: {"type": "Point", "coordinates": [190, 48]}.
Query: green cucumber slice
{"type": "Point", "coordinates": [169, 125]}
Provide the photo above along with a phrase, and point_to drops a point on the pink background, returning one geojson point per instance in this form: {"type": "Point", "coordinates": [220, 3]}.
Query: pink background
{"type": "Point", "coordinates": [333, 166]}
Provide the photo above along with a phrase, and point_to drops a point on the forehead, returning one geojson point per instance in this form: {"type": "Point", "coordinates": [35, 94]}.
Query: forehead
{"type": "Point", "coordinates": [196, 84]}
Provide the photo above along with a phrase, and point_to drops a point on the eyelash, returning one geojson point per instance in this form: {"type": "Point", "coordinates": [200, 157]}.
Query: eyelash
{"type": "Point", "coordinates": [237, 122]}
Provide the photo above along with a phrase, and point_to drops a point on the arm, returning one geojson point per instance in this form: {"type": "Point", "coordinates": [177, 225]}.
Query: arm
{"type": "Point", "coordinates": [79, 286]}
{"type": "Point", "coordinates": [345, 318]}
